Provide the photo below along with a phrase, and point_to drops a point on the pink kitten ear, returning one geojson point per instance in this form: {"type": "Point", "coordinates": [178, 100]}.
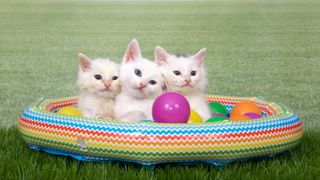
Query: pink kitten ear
{"type": "Point", "coordinates": [160, 56]}
{"type": "Point", "coordinates": [133, 52]}
{"type": "Point", "coordinates": [200, 56]}
{"type": "Point", "coordinates": [84, 62]}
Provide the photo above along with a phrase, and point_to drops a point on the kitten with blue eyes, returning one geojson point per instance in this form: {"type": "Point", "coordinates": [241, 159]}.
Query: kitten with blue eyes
{"type": "Point", "coordinates": [98, 84]}
{"type": "Point", "coordinates": [185, 74]}
{"type": "Point", "coordinates": [141, 82]}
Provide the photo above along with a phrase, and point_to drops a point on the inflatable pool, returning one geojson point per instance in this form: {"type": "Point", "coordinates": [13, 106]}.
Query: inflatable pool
{"type": "Point", "coordinates": [149, 144]}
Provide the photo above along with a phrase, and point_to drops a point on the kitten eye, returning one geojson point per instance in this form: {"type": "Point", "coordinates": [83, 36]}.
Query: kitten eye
{"type": "Point", "coordinates": [138, 72]}
{"type": "Point", "coordinates": [177, 73]}
{"type": "Point", "coordinates": [153, 82]}
{"type": "Point", "coordinates": [98, 77]}
{"type": "Point", "coordinates": [193, 73]}
{"type": "Point", "coordinates": [114, 78]}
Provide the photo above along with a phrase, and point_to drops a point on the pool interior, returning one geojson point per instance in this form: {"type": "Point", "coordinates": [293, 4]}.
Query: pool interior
{"type": "Point", "coordinates": [267, 108]}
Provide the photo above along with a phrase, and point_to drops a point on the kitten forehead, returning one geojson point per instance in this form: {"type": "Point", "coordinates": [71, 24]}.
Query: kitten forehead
{"type": "Point", "coordinates": [105, 67]}
{"type": "Point", "coordinates": [148, 68]}
{"type": "Point", "coordinates": [181, 55]}
{"type": "Point", "coordinates": [181, 63]}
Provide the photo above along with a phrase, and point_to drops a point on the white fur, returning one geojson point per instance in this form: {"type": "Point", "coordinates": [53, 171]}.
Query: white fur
{"type": "Point", "coordinates": [194, 91]}
{"type": "Point", "coordinates": [97, 96]}
{"type": "Point", "coordinates": [134, 104]}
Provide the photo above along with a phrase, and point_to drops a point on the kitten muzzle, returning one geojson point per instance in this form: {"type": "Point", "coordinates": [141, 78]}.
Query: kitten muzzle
{"type": "Point", "coordinates": [141, 86]}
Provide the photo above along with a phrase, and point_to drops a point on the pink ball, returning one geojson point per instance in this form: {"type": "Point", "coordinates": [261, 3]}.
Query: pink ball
{"type": "Point", "coordinates": [253, 115]}
{"type": "Point", "coordinates": [171, 107]}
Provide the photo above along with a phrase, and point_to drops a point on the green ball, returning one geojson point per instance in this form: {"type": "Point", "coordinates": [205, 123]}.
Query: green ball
{"type": "Point", "coordinates": [218, 108]}
{"type": "Point", "coordinates": [216, 119]}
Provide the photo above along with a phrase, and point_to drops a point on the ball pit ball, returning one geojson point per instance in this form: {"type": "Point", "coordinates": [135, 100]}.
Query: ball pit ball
{"type": "Point", "coordinates": [194, 117]}
{"type": "Point", "coordinates": [148, 121]}
{"type": "Point", "coordinates": [218, 114]}
{"type": "Point", "coordinates": [171, 107]}
{"type": "Point", "coordinates": [240, 110]}
{"type": "Point", "coordinates": [239, 117]}
{"type": "Point", "coordinates": [216, 107]}
{"type": "Point", "coordinates": [69, 110]}
{"type": "Point", "coordinates": [253, 115]}
{"type": "Point", "coordinates": [217, 118]}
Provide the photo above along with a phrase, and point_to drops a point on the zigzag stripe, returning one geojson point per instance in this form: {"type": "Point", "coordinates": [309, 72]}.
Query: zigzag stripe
{"type": "Point", "coordinates": [196, 138]}
{"type": "Point", "coordinates": [183, 139]}
{"type": "Point", "coordinates": [163, 148]}
{"type": "Point", "coordinates": [146, 151]}
{"type": "Point", "coordinates": [150, 143]}
{"type": "Point", "coordinates": [186, 129]}
{"type": "Point", "coordinates": [191, 131]}
{"type": "Point", "coordinates": [234, 153]}
{"type": "Point", "coordinates": [61, 138]}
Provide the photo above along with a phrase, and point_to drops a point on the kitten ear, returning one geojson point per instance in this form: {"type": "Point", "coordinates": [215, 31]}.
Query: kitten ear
{"type": "Point", "coordinates": [84, 62]}
{"type": "Point", "coordinates": [200, 56]}
{"type": "Point", "coordinates": [133, 52]}
{"type": "Point", "coordinates": [160, 56]}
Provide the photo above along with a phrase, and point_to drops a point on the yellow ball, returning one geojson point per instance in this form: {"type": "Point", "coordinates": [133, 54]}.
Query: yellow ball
{"type": "Point", "coordinates": [194, 117]}
{"type": "Point", "coordinates": [69, 110]}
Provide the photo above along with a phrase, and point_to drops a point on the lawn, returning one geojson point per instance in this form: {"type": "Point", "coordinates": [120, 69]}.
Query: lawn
{"type": "Point", "coordinates": [255, 48]}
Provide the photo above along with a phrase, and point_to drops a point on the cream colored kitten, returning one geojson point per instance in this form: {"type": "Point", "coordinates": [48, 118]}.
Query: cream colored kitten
{"type": "Point", "coordinates": [98, 85]}
{"type": "Point", "coordinates": [186, 74]}
{"type": "Point", "coordinates": [141, 82]}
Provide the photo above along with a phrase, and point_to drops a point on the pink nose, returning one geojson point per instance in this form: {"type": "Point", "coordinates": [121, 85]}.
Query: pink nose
{"type": "Point", "coordinates": [107, 84]}
{"type": "Point", "coordinates": [141, 86]}
{"type": "Point", "coordinates": [187, 80]}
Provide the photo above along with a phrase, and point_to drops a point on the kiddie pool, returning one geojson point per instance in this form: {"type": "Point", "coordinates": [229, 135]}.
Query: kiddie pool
{"type": "Point", "coordinates": [150, 144]}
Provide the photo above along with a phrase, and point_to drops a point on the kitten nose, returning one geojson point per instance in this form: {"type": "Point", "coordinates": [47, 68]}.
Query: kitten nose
{"type": "Point", "coordinates": [187, 80]}
{"type": "Point", "coordinates": [107, 83]}
{"type": "Point", "coordinates": [141, 85]}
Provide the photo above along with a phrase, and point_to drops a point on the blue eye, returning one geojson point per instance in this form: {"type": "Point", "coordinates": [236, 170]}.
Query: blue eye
{"type": "Point", "coordinates": [98, 77]}
{"type": "Point", "coordinates": [177, 73]}
{"type": "Point", "coordinates": [138, 72]}
{"type": "Point", "coordinates": [193, 73]}
{"type": "Point", "coordinates": [152, 82]}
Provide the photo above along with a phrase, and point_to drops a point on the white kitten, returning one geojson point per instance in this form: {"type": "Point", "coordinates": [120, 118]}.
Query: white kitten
{"type": "Point", "coordinates": [186, 75]}
{"type": "Point", "coordinates": [141, 82]}
{"type": "Point", "coordinates": [98, 85]}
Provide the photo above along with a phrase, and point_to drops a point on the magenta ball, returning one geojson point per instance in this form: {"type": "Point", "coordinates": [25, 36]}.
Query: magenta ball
{"type": "Point", "coordinates": [171, 107]}
{"type": "Point", "coordinates": [253, 115]}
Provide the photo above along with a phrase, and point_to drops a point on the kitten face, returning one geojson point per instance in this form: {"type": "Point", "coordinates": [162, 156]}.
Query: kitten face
{"type": "Point", "coordinates": [140, 78]}
{"type": "Point", "coordinates": [98, 76]}
{"type": "Point", "coordinates": [183, 73]}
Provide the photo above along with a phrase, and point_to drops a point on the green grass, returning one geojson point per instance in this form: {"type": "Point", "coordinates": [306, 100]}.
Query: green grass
{"type": "Point", "coordinates": [265, 48]}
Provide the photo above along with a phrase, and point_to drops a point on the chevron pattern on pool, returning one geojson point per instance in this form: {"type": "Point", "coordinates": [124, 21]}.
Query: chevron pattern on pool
{"type": "Point", "coordinates": [152, 143]}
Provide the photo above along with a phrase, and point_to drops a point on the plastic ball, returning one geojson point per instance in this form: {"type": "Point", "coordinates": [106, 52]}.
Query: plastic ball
{"type": "Point", "coordinates": [148, 121]}
{"type": "Point", "coordinates": [218, 114]}
{"type": "Point", "coordinates": [240, 110]}
{"type": "Point", "coordinates": [217, 119]}
{"type": "Point", "coordinates": [217, 108]}
{"type": "Point", "coordinates": [239, 117]}
{"type": "Point", "coordinates": [69, 110]}
{"type": "Point", "coordinates": [171, 107]}
{"type": "Point", "coordinates": [194, 117]}
{"type": "Point", "coordinates": [253, 115]}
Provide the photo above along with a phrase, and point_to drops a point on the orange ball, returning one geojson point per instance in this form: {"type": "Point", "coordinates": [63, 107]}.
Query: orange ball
{"type": "Point", "coordinates": [242, 108]}
{"type": "Point", "coordinates": [239, 117]}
